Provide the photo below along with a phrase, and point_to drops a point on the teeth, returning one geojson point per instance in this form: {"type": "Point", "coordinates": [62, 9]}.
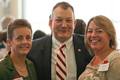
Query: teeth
{"type": "Point", "coordinates": [24, 46]}
{"type": "Point", "coordinates": [94, 41]}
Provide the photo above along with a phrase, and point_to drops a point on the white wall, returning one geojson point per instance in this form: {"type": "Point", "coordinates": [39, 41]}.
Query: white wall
{"type": "Point", "coordinates": [38, 12]}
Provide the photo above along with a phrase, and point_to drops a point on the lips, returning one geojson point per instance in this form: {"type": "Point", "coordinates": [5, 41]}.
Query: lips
{"type": "Point", "coordinates": [94, 41]}
{"type": "Point", "coordinates": [26, 46]}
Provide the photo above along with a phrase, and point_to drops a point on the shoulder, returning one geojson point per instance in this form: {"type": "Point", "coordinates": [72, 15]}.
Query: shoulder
{"type": "Point", "coordinates": [38, 47]}
{"type": "Point", "coordinates": [42, 40]}
{"type": "Point", "coordinates": [5, 62]}
{"type": "Point", "coordinates": [114, 65]}
{"type": "Point", "coordinates": [114, 72]}
{"type": "Point", "coordinates": [2, 67]}
{"type": "Point", "coordinates": [114, 59]}
{"type": "Point", "coordinates": [41, 44]}
{"type": "Point", "coordinates": [5, 68]}
{"type": "Point", "coordinates": [114, 55]}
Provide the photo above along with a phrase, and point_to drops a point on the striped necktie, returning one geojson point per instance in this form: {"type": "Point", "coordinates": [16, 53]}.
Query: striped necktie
{"type": "Point", "coordinates": [61, 71]}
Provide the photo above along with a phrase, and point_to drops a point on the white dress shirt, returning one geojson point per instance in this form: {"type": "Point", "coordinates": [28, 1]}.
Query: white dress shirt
{"type": "Point", "coordinates": [70, 58]}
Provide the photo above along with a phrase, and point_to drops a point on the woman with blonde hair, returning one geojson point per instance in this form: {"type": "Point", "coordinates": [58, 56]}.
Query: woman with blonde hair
{"type": "Point", "coordinates": [100, 38]}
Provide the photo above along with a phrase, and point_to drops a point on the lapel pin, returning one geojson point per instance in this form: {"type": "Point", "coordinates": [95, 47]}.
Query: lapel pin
{"type": "Point", "coordinates": [79, 50]}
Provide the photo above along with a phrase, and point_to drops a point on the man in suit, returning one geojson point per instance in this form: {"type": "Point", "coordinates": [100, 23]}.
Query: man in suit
{"type": "Point", "coordinates": [62, 23]}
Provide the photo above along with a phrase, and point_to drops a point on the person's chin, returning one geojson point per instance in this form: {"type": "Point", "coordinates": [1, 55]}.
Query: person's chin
{"type": "Point", "coordinates": [93, 46]}
{"type": "Point", "coordinates": [25, 52]}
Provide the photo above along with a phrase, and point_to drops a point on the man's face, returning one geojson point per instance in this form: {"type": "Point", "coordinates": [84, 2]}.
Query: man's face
{"type": "Point", "coordinates": [62, 23]}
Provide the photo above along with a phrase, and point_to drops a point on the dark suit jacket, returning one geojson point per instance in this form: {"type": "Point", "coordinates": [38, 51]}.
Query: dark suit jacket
{"type": "Point", "coordinates": [41, 51]}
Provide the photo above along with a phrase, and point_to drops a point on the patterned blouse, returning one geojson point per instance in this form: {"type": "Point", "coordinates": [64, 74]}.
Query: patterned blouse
{"type": "Point", "coordinates": [106, 70]}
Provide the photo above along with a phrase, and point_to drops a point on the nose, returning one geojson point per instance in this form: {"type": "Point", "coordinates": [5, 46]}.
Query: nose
{"type": "Point", "coordinates": [64, 24]}
{"type": "Point", "coordinates": [24, 40]}
{"type": "Point", "coordinates": [93, 33]}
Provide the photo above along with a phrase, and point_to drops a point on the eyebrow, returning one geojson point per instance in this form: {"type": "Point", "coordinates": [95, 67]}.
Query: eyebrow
{"type": "Point", "coordinates": [95, 28]}
{"type": "Point", "coordinates": [63, 18]}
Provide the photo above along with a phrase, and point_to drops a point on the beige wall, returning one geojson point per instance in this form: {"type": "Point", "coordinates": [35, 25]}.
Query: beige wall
{"type": "Point", "coordinates": [13, 9]}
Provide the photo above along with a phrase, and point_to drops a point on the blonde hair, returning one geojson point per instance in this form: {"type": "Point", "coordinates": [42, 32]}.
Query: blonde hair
{"type": "Point", "coordinates": [107, 25]}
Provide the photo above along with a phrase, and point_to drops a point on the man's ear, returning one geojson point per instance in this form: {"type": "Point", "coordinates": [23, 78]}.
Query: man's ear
{"type": "Point", "coordinates": [50, 23]}
{"type": "Point", "coordinates": [75, 23]}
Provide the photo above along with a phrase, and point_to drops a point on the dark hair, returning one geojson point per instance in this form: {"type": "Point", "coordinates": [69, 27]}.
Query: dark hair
{"type": "Point", "coordinates": [3, 36]}
{"type": "Point", "coordinates": [18, 23]}
{"type": "Point", "coordinates": [80, 27]}
{"type": "Point", "coordinates": [63, 5]}
{"type": "Point", "coordinates": [38, 34]}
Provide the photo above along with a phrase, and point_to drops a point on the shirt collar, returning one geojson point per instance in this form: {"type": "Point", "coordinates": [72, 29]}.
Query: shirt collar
{"type": "Point", "coordinates": [56, 43]}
